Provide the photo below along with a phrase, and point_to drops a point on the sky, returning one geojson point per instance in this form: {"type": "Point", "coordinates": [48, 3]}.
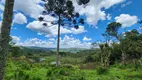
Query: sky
{"type": "Point", "coordinates": [26, 30]}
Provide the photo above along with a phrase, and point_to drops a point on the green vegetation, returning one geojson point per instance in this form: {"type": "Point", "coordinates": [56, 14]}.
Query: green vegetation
{"type": "Point", "coordinates": [118, 57]}
{"type": "Point", "coordinates": [71, 68]}
{"type": "Point", "coordinates": [111, 61]}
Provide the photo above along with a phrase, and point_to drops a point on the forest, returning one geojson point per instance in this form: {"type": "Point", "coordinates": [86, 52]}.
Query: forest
{"type": "Point", "coordinates": [116, 56]}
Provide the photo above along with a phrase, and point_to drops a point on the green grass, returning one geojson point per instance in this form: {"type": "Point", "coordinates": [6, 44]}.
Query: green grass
{"type": "Point", "coordinates": [24, 70]}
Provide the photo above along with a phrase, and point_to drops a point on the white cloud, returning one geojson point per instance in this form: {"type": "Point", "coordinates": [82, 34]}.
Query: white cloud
{"type": "Point", "coordinates": [79, 30]}
{"type": "Point", "coordinates": [48, 18]}
{"type": "Point", "coordinates": [86, 39]}
{"type": "Point", "coordinates": [96, 27]}
{"type": "Point", "coordinates": [49, 31]}
{"type": "Point", "coordinates": [36, 42]}
{"type": "Point", "coordinates": [53, 30]}
{"type": "Point", "coordinates": [37, 26]}
{"type": "Point", "coordinates": [140, 28]}
{"type": "Point", "coordinates": [71, 42]}
{"type": "Point", "coordinates": [29, 7]}
{"type": "Point", "coordinates": [66, 42]}
{"type": "Point", "coordinates": [39, 33]}
{"type": "Point", "coordinates": [15, 39]}
{"type": "Point", "coordinates": [13, 28]}
{"type": "Point", "coordinates": [126, 20]}
{"type": "Point", "coordinates": [51, 39]}
{"type": "Point", "coordinates": [124, 33]}
{"type": "Point", "coordinates": [109, 16]}
{"type": "Point", "coordinates": [125, 4]}
{"type": "Point", "coordinates": [1, 7]}
{"type": "Point", "coordinates": [108, 3]}
{"type": "Point", "coordinates": [19, 18]}
{"type": "Point", "coordinates": [94, 11]}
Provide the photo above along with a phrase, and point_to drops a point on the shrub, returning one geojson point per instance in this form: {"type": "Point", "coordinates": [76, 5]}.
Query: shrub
{"type": "Point", "coordinates": [62, 72]}
{"type": "Point", "coordinates": [101, 70]}
{"type": "Point", "coordinates": [25, 65]}
{"type": "Point", "coordinates": [67, 66]}
{"type": "Point", "coordinates": [36, 78]}
{"type": "Point", "coordinates": [27, 77]}
{"type": "Point", "coordinates": [89, 59]}
{"type": "Point", "coordinates": [87, 66]}
{"type": "Point", "coordinates": [76, 78]}
{"type": "Point", "coordinates": [21, 75]}
{"type": "Point", "coordinates": [49, 72]}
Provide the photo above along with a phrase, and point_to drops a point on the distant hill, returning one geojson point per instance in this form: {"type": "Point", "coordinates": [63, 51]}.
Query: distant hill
{"type": "Point", "coordinates": [36, 50]}
{"type": "Point", "coordinates": [71, 50]}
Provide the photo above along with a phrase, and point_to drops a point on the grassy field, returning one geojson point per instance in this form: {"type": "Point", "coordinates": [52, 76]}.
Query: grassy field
{"type": "Point", "coordinates": [22, 68]}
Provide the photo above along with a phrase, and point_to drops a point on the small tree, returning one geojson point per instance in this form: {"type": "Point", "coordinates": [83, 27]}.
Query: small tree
{"type": "Point", "coordinates": [63, 10]}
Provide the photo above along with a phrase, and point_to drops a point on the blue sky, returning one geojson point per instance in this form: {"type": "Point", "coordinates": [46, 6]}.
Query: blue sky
{"type": "Point", "coordinates": [27, 31]}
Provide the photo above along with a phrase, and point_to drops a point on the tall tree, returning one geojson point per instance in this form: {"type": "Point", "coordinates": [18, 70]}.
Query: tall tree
{"type": "Point", "coordinates": [4, 35]}
{"type": "Point", "coordinates": [63, 10]}
{"type": "Point", "coordinates": [112, 30]}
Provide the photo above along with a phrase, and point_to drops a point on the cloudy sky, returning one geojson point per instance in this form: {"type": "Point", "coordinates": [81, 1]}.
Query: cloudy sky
{"type": "Point", "coordinates": [28, 31]}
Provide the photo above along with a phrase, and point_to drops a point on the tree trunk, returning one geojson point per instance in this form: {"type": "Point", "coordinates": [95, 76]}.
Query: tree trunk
{"type": "Point", "coordinates": [123, 57]}
{"type": "Point", "coordinates": [108, 61]}
{"type": "Point", "coordinates": [58, 42]}
{"type": "Point", "coordinates": [4, 35]}
{"type": "Point", "coordinates": [123, 54]}
{"type": "Point", "coordinates": [101, 59]}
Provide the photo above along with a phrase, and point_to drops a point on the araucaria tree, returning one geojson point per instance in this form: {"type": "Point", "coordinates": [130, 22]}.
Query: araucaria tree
{"type": "Point", "coordinates": [64, 12]}
{"type": "Point", "coordinates": [4, 35]}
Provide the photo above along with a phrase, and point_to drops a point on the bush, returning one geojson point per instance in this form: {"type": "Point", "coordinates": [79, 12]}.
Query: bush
{"type": "Point", "coordinates": [89, 59]}
{"type": "Point", "coordinates": [49, 72]}
{"type": "Point", "coordinates": [60, 72]}
{"type": "Point", "coordinates": [36, 78]}
{"type": "Point", "coordinates": [25, 65]}
{"type": "Point", "coordinates": [63, 72]}
{"type": "Point", "coordinates": [76, 78]}
{"type": "Point", "coordinates": [69, 66]}
{"type": "Point", "coordinates": [101, 70]}
{"type": "Point", "coordinates": [21, 75]}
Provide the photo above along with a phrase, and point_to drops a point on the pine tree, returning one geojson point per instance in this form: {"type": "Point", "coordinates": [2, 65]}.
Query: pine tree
{"type": "Point", "coordinates": [64, 11]}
